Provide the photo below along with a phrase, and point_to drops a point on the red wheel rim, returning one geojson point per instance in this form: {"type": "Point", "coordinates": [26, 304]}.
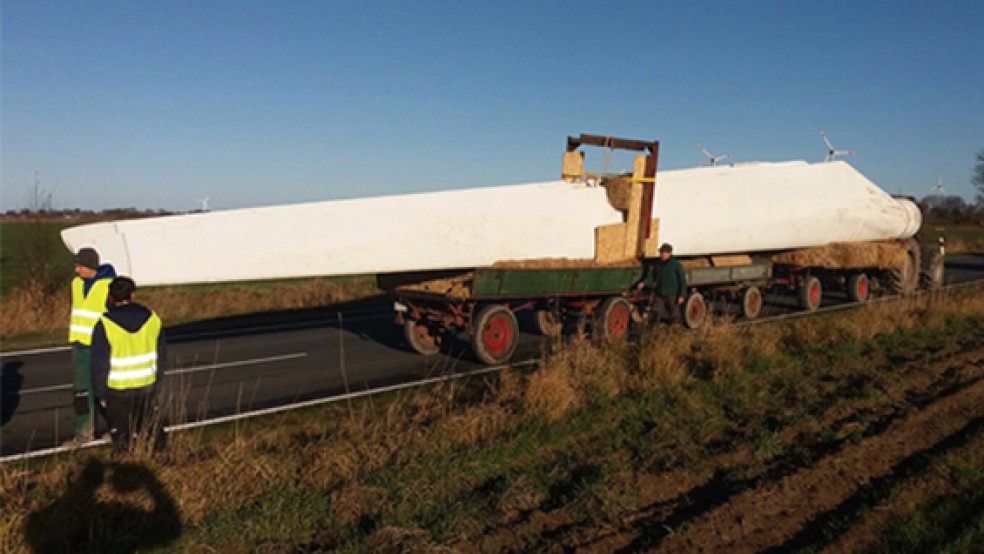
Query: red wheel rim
{"type": "Point", "coordinates": [423, 336]}
{"type": "Point", "coordinates": [862, 287]}
{"type": "Point", "coordinates": [814, 293]}
{"type": "Point", "coordinates": [696, 310]}
{"type": "Point", "coordinates": [497, 334]}
{"type": "Point", "coordinates": [754, 302]}
{"type": "Point", "coordinates": [618, 320]}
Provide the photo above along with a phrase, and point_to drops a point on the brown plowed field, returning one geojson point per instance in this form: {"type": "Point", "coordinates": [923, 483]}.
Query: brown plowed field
{"type": "Point", "coordinates": [833, 490]}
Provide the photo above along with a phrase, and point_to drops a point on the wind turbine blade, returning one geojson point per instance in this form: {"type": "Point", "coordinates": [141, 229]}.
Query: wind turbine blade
{"type": "Point", "coordinates": [826, 140]}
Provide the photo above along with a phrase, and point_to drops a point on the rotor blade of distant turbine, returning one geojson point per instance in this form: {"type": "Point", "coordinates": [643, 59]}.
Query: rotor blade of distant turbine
{"type": "Point", "coordinates": [826, 140]}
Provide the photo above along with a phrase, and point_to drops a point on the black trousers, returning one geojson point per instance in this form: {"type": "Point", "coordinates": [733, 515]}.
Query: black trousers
{"type": "Point", "coordinates": [133, 416]}
{"type": "Point", "coordinates": [665, 305]}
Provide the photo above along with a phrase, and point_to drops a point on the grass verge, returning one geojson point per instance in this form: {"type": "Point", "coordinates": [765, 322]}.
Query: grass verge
{"type": "Point", "coordinates": [572, 442]}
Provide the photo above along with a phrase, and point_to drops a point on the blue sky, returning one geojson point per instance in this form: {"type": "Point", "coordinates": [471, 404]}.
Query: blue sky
{"type": "Point", "coordinates": [155, 104]}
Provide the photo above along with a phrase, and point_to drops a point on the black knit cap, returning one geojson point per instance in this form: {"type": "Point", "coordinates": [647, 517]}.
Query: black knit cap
{"type": "Point", "coordinates": [87, 257]}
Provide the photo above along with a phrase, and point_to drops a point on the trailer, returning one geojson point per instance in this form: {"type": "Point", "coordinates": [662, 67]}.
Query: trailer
{"type": "Point", "coordinates": [484, 302]}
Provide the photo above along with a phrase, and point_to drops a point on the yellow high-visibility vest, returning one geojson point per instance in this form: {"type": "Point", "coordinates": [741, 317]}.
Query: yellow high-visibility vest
{"type": "Point", "coordinates": [132, 356]}
{"type": "Point", "coordinates": [86, 309]}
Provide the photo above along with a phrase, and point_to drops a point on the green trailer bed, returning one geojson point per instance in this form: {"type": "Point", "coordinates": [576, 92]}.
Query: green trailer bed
{"type": "Point", "coordinates": [510, 283]}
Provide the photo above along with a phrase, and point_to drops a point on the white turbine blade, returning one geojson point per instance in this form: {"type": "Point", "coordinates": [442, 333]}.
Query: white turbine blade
{"type": "Point", "coordinates": [826, 140]}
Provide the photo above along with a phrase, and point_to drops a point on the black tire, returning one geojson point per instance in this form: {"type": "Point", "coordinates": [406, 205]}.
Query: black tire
{"type": "Point", "coordinates": [751, 302]}
{"type": "Point", "coordinates": [547, 322]}
{"type": "Point", "coordinates": [420, 338]}
{"type": "Point", "coordinates": [495, 334]}
{"type": "Point", "coordinates": [694, 311]}
{"type": "Point", "coordinates": [905, 280]}
{"type": "Point", "coordinates": [932, 273]}
{"type": "Point", "coordinates": [810, 293]}
{"type": "Point", "coordinates": [858, 287]}
{"type": "Point", "coordinates": [613, 318]}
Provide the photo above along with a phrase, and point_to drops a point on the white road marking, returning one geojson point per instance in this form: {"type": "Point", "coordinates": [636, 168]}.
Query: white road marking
{"type": "Point", "coordinates": [35, 351]}
{"type": "Point", "coordinates": [241, 363]}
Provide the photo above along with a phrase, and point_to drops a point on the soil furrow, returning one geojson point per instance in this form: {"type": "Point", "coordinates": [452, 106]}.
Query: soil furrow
{"type": "Point", "coordinates": [672, 499]}
{"type": "Point", "coordinates": [778, 513]}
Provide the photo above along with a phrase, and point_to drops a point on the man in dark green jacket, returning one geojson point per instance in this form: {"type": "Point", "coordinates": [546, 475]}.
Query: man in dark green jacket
{"type": "Point", "coordinates": [666, 280]}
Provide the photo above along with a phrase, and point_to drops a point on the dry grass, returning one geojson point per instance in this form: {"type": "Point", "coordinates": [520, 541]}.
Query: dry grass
{"type": "Point", "coordinates": [847, 254]}
{"type": "Point", "coordinates": [337, 451]}
{"type": "Point", "coordinates": [28, 309]}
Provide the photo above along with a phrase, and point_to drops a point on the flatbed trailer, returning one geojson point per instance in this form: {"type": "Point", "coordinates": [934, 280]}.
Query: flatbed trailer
{"type": "Point", "coordinates": [483, 302]}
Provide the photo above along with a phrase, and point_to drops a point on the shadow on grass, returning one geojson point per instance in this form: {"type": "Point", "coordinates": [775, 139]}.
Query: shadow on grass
{"type": "Point", "coordinates": [81, 522]}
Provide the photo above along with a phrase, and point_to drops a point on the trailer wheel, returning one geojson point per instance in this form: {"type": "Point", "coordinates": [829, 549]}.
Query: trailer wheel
{"type": "Point", "coordinates": [858, 287]}
{"type": "Point", "coordinates": [905, 280]}
{"type": "Point", "coordinates": [751, 302]}
{"type": "Point", "coordinates": [420, 338]}
{"type": "Point", "coordinates": [547, 322]}
{"type": "Point", "coordinates": [613, 318]}
{"type": "Point", "coordinates": [810, 293]}
{"type": "Point", "coordinates": [694, 311]}
{"type": "Point", "coordinates": [931, 274]}
{"type": "Point", "coordinates": [495, 334]}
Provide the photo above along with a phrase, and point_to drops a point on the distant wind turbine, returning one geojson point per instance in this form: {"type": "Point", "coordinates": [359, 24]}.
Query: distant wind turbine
{"type": "Point", "coordinates": [938, 189]}
{"type": "Point", "coordinates": [204, 203]}
{"type": "Point", "coordinates": [832, 152]}
{"type": "Point", "coordinates": [711, 158]}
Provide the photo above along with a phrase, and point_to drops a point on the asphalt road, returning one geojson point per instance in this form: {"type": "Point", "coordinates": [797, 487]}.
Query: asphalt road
{"type": "Point", "coordinates": [229, 365]}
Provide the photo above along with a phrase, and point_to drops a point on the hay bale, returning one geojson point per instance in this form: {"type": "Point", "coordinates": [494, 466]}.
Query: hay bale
{"type": "Point", "coordinates": [619, 191]}
{"type": "Point", "coordinates": [691, 263]}
{"type": "Point", "coordinates": [457, 287]}
{"type": "Point", "coordinates": [572, 165]}
{"type": "Point", "coordinates": [633, 221]}
{"type": "Point", "coordinates": [730, 260]}
{"type": "Point", "coordinates": [652, 242]}
{"type": "Point", "coordinates": [847, 255]}
{"type": "Point", "coordinates": [559, 263]}
{"type": "Point", "coordinates": [610, 243]}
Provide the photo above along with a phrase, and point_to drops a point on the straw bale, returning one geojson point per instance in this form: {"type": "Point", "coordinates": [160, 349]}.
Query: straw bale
{"type": "Point", "coordinates": [639, 165]}
{"type": "Point", "coordinates": [458, 286]}
{"type": "Point", "coordinates": [560, 263]}
{"type": "Point", "coordinates": [619, 191]}
{"type": "Point", "coordinates": [632, 222]}
{"type": "Point", "coordinates": [839, 255]}
{"type": "Point", "coordinates": [691, 263]}
{"type": "Point", "coordinates": [610, 243]}
{"type": "Point", "coordinates": [731, 259]}
{"type": "Point", "coordinates": [572, 165]}
{"type": "Point", "coordinates": [652, 241]}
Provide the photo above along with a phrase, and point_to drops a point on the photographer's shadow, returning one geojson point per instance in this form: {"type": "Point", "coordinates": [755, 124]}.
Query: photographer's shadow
{"type": "Point", "coordinates": [140, 515]}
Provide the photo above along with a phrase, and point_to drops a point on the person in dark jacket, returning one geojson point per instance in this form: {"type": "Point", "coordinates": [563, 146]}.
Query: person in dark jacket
{"type": "Point", "coordinates": [129, 353]}
{"type": "Point", "coordinates": [666, 280]}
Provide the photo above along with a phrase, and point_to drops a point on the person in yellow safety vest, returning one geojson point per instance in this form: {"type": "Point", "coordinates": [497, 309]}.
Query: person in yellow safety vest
{"type": "Point", "coordinates": [129, 354]}
{"type": "Point", "coordinates": [90, 291]}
